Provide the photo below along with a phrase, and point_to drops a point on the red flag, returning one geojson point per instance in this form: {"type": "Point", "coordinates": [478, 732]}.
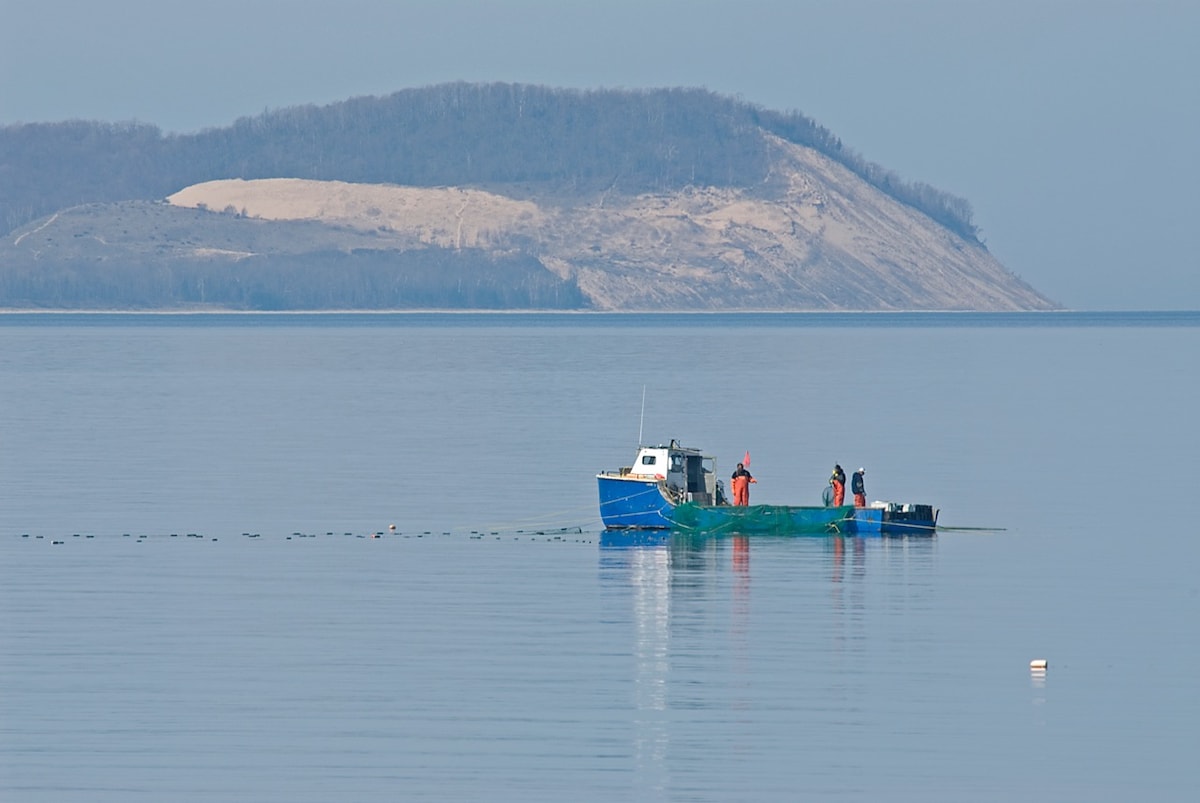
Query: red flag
{"type": "Point", "coordinates": [746, 459]}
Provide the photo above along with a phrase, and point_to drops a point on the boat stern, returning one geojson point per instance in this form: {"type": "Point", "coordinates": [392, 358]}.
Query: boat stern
{"type": "Point", "coordinates": [891, 518]}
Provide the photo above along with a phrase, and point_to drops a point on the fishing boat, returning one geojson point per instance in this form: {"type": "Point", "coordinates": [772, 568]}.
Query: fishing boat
{"type": "Point", "coordinates": [674, 487]}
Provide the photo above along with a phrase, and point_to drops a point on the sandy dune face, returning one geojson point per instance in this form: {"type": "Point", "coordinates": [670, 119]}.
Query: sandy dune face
{"type": "Point", "coordinates": [445, 217]}
{"type": "Point", "coordinates": [815, 236]}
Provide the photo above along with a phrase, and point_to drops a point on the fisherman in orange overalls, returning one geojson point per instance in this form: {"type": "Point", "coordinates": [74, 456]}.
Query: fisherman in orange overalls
{"type": "Point", "coordinates": [741, 480]}
{"type": "Point", "coordinates": [838, 481]}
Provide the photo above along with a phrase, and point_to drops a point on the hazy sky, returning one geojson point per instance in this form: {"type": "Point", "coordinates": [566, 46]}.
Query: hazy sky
{"type": "Point", "coordinates": [1072, 126]}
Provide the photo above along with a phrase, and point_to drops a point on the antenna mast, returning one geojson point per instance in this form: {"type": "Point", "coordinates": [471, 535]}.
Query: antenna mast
{"type": "Point", "coordinates": [642, 422]}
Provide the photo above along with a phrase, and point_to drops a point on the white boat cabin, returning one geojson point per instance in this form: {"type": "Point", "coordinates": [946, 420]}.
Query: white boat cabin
{"type": "Point", "coordinates": [688, 474]}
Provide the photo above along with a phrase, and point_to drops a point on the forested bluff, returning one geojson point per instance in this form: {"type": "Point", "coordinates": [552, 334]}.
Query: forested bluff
{"type": "Point", "coordinates": [85, 225]}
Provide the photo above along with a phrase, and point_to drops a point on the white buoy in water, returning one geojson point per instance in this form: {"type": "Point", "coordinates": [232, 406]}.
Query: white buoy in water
{"type": "Point", "coordinates": [1038, 663]}
{"type": "Point", "coordinates": [391, 526]}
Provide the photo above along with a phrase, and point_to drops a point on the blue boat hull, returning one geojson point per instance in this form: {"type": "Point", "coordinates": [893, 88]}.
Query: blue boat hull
{"type": "Point", "coordinates": [633, 504]}
{"type": "Point", "coordinates": [639, 504]}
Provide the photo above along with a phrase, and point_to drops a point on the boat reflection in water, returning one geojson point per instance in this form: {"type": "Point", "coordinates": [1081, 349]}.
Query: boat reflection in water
{"type": "Point", "coordinates": [686, 601]}
{"type": "Point", "coordinates": [673, 579]}
{"type": "Point", "coordinates": [639, 561]}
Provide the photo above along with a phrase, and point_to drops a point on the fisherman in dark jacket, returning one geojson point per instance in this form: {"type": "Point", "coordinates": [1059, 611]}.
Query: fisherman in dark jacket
{"type": "Point", "coordinates": [858, 489]}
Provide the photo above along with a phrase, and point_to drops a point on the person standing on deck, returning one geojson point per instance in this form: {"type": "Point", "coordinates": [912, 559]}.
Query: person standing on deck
{"type": "Point", "coordinates": [858, 488]}
{"type": "Point", "coordinates": [838, 481]}
{"type": "Point", "coordinates": [741, 486]}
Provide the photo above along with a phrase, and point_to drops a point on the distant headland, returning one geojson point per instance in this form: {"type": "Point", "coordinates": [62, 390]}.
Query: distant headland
{"type": "Point", "coordinates": [484, 196]}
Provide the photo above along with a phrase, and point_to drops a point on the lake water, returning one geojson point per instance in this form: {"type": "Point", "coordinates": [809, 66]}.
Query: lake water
{"type": "Point", "coordinates": [193, 607]}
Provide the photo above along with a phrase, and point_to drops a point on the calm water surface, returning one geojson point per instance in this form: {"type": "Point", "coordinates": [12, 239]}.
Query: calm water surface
{"type": "Point", "coordinates": [215, 623]}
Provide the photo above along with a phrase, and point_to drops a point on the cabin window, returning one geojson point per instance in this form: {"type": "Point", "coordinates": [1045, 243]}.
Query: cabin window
{"type": "Point", "coordinates": [676, 462]}
{"type": "Point", "coordinates": [649, 459]}
{"type": "Point", "coordinates": [695, 475]}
